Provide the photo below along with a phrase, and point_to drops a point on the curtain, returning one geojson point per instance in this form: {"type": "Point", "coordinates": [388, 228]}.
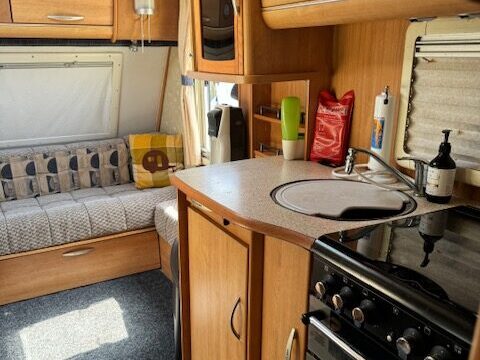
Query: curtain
{"type": "Point", "coordinates": [191, 133]}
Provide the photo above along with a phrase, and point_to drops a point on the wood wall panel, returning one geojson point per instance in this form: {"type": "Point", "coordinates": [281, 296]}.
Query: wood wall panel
{"type": "Point", "coordinates": [366, 57]}
{"type": "Point", "coordinates": [5, 14]}
{"type": "Point", "coordinates": [164, 23]}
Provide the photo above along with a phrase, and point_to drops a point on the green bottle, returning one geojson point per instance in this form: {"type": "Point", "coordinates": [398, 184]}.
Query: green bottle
{"type": "Point", "coordinates": [290, 117]}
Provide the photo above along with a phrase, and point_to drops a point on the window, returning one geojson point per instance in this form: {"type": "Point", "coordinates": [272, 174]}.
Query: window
{"type": "Point", "coordinates": [440, 90]}
{"type": "Point", "coordinates": [212, 94]}
{"type": "Point", "coordinates": [50, 98]}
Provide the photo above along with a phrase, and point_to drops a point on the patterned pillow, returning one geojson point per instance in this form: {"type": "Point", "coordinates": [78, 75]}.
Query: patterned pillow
{"type": "Point", "coordinates": [154, 157]}
{"type": "Point", "coordinates": [17, 178]}
{"type": "Point", "coordinates": [53, 170]}
{"type": "Point", "coordinates": [102, 163]}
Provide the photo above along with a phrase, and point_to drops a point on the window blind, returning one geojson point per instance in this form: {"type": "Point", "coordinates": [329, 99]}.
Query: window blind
{"type": "Point", "coordinates": [445, 94]}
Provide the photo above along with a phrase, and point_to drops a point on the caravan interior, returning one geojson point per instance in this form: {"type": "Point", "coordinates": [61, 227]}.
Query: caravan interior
{"type": "Point", "coordinates": [240, 179]}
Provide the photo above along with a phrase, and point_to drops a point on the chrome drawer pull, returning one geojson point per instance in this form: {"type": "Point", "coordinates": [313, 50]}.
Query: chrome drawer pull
{"type": "Point", "coordinates": [78, 252]}
{"type": "Point", "coordinates": [291, 339]}
{"type": "Point", "coordinates": [232, 327]}
{"type": "Point", "coordinates": [65, 17]}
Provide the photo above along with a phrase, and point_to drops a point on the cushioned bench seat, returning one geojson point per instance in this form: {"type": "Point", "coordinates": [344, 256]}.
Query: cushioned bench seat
{"type": "Point", "coordinates": [166, 220]}
{"type": "Point", "coordinates": [60, 218]}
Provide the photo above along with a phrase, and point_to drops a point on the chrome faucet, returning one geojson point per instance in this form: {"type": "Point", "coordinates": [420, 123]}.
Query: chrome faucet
{"type": "Point", "coordinates": [418, 186]}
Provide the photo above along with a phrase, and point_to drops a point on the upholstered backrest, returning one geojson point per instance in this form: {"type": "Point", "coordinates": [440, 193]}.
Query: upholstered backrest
{"type": "Point", "coordinates": [43, 170]}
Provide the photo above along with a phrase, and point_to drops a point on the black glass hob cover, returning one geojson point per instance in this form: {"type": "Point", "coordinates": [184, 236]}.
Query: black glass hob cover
{"type": "Point", "coordinates": [437, 254]}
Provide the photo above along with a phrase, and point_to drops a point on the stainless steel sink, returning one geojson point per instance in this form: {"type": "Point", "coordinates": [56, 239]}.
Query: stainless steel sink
{"type": "Point", "coordinates": [342, 200]}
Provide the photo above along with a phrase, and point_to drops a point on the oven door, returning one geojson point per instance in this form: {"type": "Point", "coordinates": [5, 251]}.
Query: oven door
{"type": "Point", "coordinates": [332, 337]}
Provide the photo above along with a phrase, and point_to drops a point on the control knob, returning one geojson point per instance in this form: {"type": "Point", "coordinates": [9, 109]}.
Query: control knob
{"type": "Point", "coordinates": [409, 343]}
{"type": "Point", "coordinates": [322, 287]}
{"type": "Point", "coordinates": [439, 353]}
{"type": "Point", "coordinates": [342, 298]}
{"type": "Point", "coordinates": [364, 311]}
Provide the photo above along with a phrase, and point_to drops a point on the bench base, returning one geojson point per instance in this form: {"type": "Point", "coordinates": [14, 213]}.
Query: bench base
{"type": "Point", "coordinates": [46, 271]}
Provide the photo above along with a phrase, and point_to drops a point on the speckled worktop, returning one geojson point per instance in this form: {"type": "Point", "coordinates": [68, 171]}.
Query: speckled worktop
{"type": "Point", "coordinates": [240, 191]}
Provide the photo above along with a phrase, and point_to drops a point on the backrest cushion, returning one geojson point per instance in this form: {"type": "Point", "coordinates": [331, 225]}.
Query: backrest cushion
{"type": "Point", "coordinates": [99, 163]}
{"type": "Point", "coordinates": [43, 170]}
{"type": "Point", "coordinates": [154, 158]}
{"type": "Point", "coordinates": [54, 174]}
{"type": "Point", "coordinates": [17, 175]}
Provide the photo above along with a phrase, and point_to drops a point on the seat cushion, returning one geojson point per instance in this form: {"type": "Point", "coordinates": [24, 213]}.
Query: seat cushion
{"type": "Point", "coordinates": [166, 220]}
{"type": "Point", "coordinates": [61, 218]}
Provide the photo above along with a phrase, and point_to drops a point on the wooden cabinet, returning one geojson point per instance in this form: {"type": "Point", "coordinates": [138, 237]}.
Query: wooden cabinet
{"type": "Point", "coordinates": [218, 36]}
{"type": "Point", "coordinates": [86, 12]}
{"type": "Point", "coordinates": [5, 15]}
{"type": "Point", "coordinates": [218, 267]}
{"type": "Point", "coordinates": [286, 14]}
{"type": "Point", "coordinates": [242, 293]}
{"type": "Point", "coordinates": [285, 278]}
{"type": "Point", "coordinates": [245, 46]}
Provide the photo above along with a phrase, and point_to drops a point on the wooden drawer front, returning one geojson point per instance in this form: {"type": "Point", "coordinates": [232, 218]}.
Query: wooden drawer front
{"type": "Point", "coordinates": [85, 12]}
{"type": "Point", "coordinates": [47, 272]}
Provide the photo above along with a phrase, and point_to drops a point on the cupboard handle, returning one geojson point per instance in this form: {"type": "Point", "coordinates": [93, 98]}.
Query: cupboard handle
{"type": "Point", "coordinates": [232, 327]}
{"type": "Point", "coordinates": [236, 7]}
{"type": "Point", "coordinates": [78, 252]}
{"type": "Point", "coordinates": [65, 17]}
{"type": "Point", "coordinates": [288, 349]}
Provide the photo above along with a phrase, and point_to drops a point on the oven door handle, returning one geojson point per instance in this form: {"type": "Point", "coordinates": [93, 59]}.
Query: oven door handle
{"type": "Point", "coordinates": [317, 324]}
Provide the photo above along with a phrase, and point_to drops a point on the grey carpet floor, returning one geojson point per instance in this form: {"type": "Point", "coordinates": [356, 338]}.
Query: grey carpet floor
{"type": "Point", "coordinates": [126, 318]}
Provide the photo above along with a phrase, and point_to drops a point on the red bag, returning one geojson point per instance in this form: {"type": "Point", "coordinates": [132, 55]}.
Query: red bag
{"type": "Point", "coordinates": [332, 128]}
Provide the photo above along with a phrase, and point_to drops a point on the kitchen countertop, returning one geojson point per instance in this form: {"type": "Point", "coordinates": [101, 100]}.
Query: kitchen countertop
{"type": "Point", "coordinates": [240, 192]}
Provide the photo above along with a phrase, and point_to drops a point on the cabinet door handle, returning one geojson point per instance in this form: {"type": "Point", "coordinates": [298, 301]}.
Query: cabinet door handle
{"type": "Point", "coordinates": [288, 349]}
{"type": "Point", "coordinates": [232, 327]}
{"type": "Point", "coordinates": [236, 7]}
{"type": "Point", "coordinates": [78, 252]}
{"type": "Point", "coordinates": [65, 17]}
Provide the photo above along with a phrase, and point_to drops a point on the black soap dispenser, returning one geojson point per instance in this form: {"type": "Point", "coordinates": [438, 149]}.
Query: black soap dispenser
{"type": "Point", "coordinates": [441, 174]}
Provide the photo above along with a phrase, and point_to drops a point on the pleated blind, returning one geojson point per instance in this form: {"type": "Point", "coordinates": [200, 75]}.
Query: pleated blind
{"type": "Point", "coordinates": [445, 94]}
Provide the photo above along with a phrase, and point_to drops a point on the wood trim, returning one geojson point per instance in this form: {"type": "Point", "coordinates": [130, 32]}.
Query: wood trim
{"type": "Point", "coordinates": [163, 90]}
{"type": "Point", "coordinates": [253, 79]}
{"type": "Point", "coordinates": [184, 274]}
{"type": "Point", "coordinates": [115, 21]}
{"type": "Point", "coordinates": [165, 252]}
{"type": "Point", "coordinates": [5, 13]}
{"type": "Point", "coordinates": [255, 297]}
{"type": "Point", "coordinates": [41, 273]}
{"type": "Point", "coordinates": [55, 31]}
{"type": "Point", "coordinates": [311, 13]}
{"type": "Point", "coordinates": [250, 224]}
{"type": "Point", "coordinates": [475, 350]}
{"type": "Point", "coordinates": [78, 243]}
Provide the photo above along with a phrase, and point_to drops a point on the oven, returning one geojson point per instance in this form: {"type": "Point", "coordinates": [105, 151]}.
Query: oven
{"type": "Point", "coordinates": [331, 337]}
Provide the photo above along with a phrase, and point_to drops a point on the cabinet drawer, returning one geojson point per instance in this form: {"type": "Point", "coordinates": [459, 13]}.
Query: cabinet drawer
{"type": "Point", "coordinates": [77, 264]}
{"type": "Point", "coordinates": [86, 12]}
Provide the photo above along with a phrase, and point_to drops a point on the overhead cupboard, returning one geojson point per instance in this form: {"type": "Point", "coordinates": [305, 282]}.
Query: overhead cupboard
{"type": "Point", "coordinates": [86, 19]}
{"type": "Point", "coordinates": [285, 14]}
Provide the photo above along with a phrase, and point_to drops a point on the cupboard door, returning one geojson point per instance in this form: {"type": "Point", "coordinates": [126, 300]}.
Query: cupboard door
{"type": "Point", "coordinates": [88, 12]}
{"type": "Point", "coordinates": [5, 16]}
{"type": "Point", "coordinates": [285, 298]}
{"type": "Point", "coordinates": [218, 270]}
{"type": "Point", "coordinates": [218, 36]}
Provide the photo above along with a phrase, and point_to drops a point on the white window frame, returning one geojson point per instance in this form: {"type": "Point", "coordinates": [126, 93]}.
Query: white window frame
{"type": "Point", "coordinates": [443, 29]}
{"type": "Point", "coordinates": [32, 60]}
